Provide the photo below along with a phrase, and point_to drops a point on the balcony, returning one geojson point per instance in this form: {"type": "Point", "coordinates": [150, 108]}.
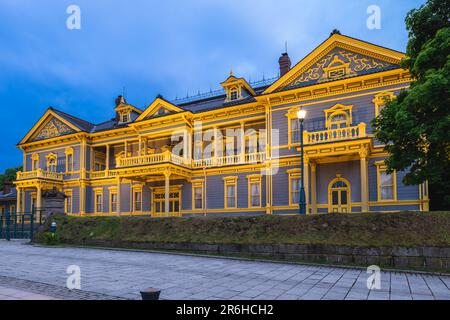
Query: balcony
{"type": "Point", "coordinates": [333, 135]}
{"type": "Point", "coordinates": [150, 159]}
{"type": "Point", "coordinates": [257, 157]}
{"type": "Point", "coordinates": [40, 174]}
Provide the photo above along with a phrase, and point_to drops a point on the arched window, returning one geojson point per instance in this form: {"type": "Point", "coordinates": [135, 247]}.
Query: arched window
{"type": "Point", "coordinates": [338, 116]}
{"type": "Point", "coordinates": [35, 161]}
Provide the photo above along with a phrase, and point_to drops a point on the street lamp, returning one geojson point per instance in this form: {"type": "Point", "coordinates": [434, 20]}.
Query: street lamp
{"type": "Point", "coordinates": [301, 114]}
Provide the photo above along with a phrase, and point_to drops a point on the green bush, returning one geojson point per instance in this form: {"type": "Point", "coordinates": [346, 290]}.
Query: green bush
{"type": "Point", "coordinates": [51, 238]}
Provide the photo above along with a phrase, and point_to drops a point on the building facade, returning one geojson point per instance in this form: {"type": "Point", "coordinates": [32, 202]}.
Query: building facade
{"type": "Point", "coordinates": [8, 199]}
{"type": "Point", "coordinates": [235, 151]}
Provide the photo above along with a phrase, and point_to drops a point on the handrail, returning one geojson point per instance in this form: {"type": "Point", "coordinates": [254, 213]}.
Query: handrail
{"type": "Point", "coordinates": [353, 132]}
{"type": "Point", "coordinates": [39, 173]}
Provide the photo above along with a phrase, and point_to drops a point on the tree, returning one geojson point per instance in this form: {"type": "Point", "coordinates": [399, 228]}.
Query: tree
{"type": "Point", "coordinates": [416, 125]}
{"type": "Point", "coordinates": [9, 175]}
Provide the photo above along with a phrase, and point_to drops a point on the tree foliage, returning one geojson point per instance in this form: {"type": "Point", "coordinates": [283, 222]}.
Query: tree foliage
{"type": "Point", "coordinates": [416, 126]}
{"type": "Point", "coordinates": [8, 175]}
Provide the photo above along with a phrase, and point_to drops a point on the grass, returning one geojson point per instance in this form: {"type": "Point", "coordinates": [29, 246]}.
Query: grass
{"type": "Point", "coordinates": [369, 229]}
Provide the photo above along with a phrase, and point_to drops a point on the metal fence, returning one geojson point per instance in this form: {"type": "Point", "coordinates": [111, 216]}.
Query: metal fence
{"type": "Point", "coordinates": [20, 225]}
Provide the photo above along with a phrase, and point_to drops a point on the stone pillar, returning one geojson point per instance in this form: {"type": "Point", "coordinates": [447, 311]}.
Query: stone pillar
{"type": "Point", "coordinates": [313, 187]}
{"type": "Point", "coordinates": [364, 180]}
{"type": "Point", "coordinates": [39, 197]}
{"type": "Point", "coordinates": [166, 193]}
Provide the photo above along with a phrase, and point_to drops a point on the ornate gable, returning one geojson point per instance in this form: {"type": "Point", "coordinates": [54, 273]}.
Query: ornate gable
{"type": "Point", "coordinates": [50, 125]}
{"type": "Point", "coordinates": [159, 108]}
{"type": "Point", "coordinates": [52, 128]}
{"type": "Point", "coordinates": [339, 57]}
{"type": "Point", "coordinates": [340, 64]}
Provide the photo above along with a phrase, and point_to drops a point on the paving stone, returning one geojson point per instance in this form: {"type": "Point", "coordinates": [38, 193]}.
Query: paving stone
{"type": "Point", "coordinates": [113, 274]}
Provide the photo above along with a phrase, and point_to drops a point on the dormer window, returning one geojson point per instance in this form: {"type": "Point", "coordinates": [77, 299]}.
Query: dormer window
{"type": "Point", "coordinates": [233, 94]}
{"type": "Point", "coordinates": [124, 118]}
{"type": "Point", "coordinates": [237, 88]}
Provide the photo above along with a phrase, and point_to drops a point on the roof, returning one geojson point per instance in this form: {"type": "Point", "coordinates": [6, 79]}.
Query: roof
{"type": "Point", "coordinates": [9, 196]}
{"type": "Point", "coordinates": [80, 123]}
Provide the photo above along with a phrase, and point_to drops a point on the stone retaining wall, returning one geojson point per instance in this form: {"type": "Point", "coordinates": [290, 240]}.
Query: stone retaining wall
{"type": "Point", "coordinates": [432, 258]}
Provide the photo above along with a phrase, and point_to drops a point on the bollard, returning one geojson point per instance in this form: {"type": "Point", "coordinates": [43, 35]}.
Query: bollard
{"type": "Point", "coordinates": [53, 227]}
{"type": "Point", "coordinates": [150, 294]}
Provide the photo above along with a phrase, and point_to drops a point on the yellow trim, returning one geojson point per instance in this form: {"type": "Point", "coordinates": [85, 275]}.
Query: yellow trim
{"type": "Point", "coordinates": [254, 179]}
{"type": "Point", "coordinates": [230, 181]}
{"type": "Point", "coordinates": [338, 109]}
{"type": "Point", "coordinates": [347, 188]}
{"type": "Point", "coordinates": [35, 161]}
{"type": "Point", "coordinates": [52, 166]}
{"type": "Point", "coordinates": [381, 167]}
{"type": "Point", "coordinates": [380, 100]}
{"type": "Point", "coordinates": [69, 164]}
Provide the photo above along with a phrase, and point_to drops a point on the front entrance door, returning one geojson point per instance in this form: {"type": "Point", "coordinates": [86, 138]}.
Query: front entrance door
{"type": "Point", "coordinates": [339, 196]}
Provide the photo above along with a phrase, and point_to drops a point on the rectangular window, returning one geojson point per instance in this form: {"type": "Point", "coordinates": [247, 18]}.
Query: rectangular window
{"type": "Point", "coordinates": [254, 190]}
{"type": "Point", "coordinates": [295, 131]}
{"type": "Point", "coordinates": [98, 202]}
{"type": "Point", "coordinates": [69, 163]}
{"type": "Point", "coordinates": [68, 203]}
{"type": "Point", "coordinates": [386, 183]}
{"type": "Point", "coordinates": [294, 186]}
{"type": "Point", "coordinates": [137, 200]}
{"type": "Point", "coordinates": [386, 186]}
{"type": "Point", "coordinates": [230, 192]}
{"type": "Point", "coordinates": [198, 197]}
{"type": "Point", "coordinates": [231, 196]}
{"type": "Point", "coordinates": [113, 202]}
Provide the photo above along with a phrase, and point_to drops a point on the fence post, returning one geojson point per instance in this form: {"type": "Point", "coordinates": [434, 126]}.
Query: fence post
{"type": "Point", "coordinates": [15, 225]}
{"type": "Point", "coordinates": [1, 226]}
{"type": "Point", "coordinates": [23, 225]}
{"type": "Point", "coordinates": [32, 222]}
{"type": "Point", "coordinates": [8, 225]}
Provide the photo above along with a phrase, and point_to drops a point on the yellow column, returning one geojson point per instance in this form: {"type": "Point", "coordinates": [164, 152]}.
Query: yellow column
{"type": "Point", "coordinates": [107, 157]}
{"type": "Point", "coordinates": [242, 142]}
{"type": "Point", "coordinates": [39, 197]}
{"type": "Point", "coordinates": [118, 195]}
{"type": "Point", "coordinates": [166, 193]}
{"type": "Point", "coordinates": [364, 181]}
{"type": "Point", "coordinates": [313, 187]}
{"type": "Point", "coordinates": [82, 198]}
{"type": "Point", "coordinates": [185, 144]}
{"type": "Point", "coordinates": [19, 200]}
{"type": "Point", "coordinates": [126, 149]}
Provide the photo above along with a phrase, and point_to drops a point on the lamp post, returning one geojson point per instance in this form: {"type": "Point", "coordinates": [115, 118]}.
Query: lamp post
{"type": "Point", "coordinates": [301, 114]}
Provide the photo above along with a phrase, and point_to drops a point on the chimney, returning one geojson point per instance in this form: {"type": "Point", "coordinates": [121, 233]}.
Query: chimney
{"type": "Point", "coordinates": [285, 64]}
{"type": "Point", "coordinates": [7, 187]}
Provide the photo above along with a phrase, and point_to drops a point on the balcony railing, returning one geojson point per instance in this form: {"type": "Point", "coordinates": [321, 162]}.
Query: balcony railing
{"type": "Point", "coordinates": [166, 156]}
{"type": "Point", "coordinates": [230, 160]}
{"type": "Point", "coordinates": [332, 135]}
{"type": "Point", "coordinates": [39, 173]}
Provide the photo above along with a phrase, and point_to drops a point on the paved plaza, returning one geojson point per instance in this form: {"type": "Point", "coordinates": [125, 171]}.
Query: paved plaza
{"type": "Point", "coordinates": [111, 274]}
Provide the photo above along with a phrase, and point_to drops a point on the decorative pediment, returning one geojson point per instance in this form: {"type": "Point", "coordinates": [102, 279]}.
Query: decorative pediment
{"type": "Point", "coordinates": [49, 126]}
{"type": "Point", "coordinates": [53, 128]}
{"type": "Point", "coordinates": [159, 108]}
{"type": "Point", "coordinates": [339, 57]}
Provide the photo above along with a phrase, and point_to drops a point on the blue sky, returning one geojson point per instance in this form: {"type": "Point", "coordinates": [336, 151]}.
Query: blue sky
{"type": "Point", "coordinates": [170, 47]}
